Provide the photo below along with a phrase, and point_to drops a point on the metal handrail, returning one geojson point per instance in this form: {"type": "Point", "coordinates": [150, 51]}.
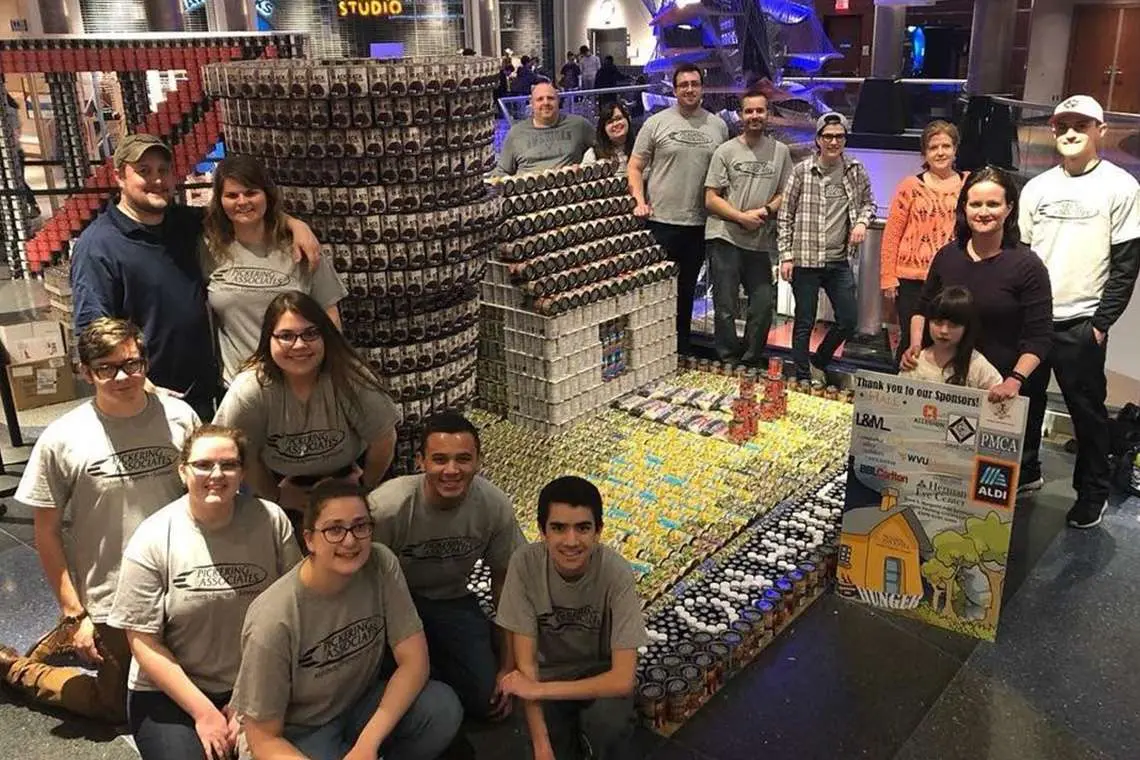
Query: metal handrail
{"type": "Point", "coordinates": [573, 94]}
{"type": "Point", "coordinates": [860, 80]}
{"type": "Point", "coordinates": [1048, 108]}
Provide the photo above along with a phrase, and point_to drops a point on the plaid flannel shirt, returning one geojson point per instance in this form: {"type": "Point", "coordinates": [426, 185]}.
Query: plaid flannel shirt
{"type": "Point", "coordinates": [800, 234]}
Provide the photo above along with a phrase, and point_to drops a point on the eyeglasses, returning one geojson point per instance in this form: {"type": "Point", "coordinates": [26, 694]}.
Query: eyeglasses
{"type": "Point", "coordinates": [308, 335]}
{"type": "Point", "coordinates": [206, 467]}
{"type": "Point", "coordinates": [832, 138]}
{"type": "Point", "coordinates": [688, 86]}
{"type": "Point", "coordinates": [130, 367]}
{"type": "Point", "coordinates": [335, 534]}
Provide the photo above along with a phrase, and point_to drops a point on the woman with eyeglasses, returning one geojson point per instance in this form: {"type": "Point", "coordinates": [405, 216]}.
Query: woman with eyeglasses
{"type": "Point", "coordinates": [189, 573]}
{"type": "Point", "coordinates": [311, 408]}
{"type": "Point", "coordinates": [313, 645]}
{"type": "Point", "coordinates": [614, 139]}
{"type": "Point", "coordinates": [247, 258]}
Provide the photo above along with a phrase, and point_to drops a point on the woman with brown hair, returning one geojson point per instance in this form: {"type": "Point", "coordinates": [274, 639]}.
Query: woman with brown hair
{"type": "Point", "coordinates": [247, 259]}
{"type": "Point", "coordinates": [614, 138]}
{"type": "Point", "coordinates": [919, 223]}
{"type": "Point", "coordinates": [310, 406]}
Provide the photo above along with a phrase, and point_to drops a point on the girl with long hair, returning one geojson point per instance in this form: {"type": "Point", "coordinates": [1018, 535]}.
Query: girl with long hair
{"type": "Point", "coordinates": [920, 221]}
{"type": "Point", "coordinates": [247, 259]}
{"type": "Point", "coordinates": [1008, 282]}
{"type": "Point", "coordinates": [949, 355]}
{"type": "Point", "coordinates": [189, 574]}
{"type": "Point", "coordinates": [311, 407]}
{"type": "Point", "coordinates": [614, 138]}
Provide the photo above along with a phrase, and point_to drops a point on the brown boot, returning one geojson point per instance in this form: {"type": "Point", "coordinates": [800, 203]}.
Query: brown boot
{"type": "Point", "coordinates": [57, 641]}
{"type": "Point", "coordinates": [8, 658]}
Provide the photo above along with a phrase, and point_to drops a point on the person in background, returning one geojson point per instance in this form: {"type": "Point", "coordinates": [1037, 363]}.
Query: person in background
{"type": "Point", "coordinates": [18, 156]}
{"type": "Point", "coordinates": [438, 523]}
{"type": "Point", "coordinates": [919, 223]}
{"type": "Point", "coordinates": [676, 146]}
{"type": "Point", "coordinates": [1008, 283]}
{"type": "Point", "coordinates": [548, 140]}
{"type": "Point", "coordinates": [614, 138]}
{"type": "Point", "coordinates": [1082, 218]}
{"type": "Point", "coordinates": [104, 466]}
{"type": "Point", "coordinates": [139, 261]}
{"type": "Point", "coordinates": [506, 72]}
{"type": "Point", "coordinates": [590, 65]}
{"type": "Point", "coordinates": [823, 220]}
{"type": "Point", "coordinates": [310, 406]}
{"type": "Point", "coordinates": [526, 78]}
{"type": "Point", "coordinates": [571, 74]}
{"type": "Point", "coordinates": [743, 192]}
{"type": "Point", "coordinates": [182, 602]}
{"type": "Point", "coordinates": [571, 604]}
{"type": "Point", "coordinates": [246, 259]}
{"type": "Point", "coordinates": [313, 643]}
{"type": "Point", "coordinates": [609, 75]}
{"type": "Point", "coordinates": [950, 356]}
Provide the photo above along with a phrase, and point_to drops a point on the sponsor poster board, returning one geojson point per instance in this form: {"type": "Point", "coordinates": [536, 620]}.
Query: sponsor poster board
{"type": "Point", "coordinates": [931, 488]}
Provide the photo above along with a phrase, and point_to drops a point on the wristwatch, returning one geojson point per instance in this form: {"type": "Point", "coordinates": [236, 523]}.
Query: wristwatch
{"type": "Point", "coordinates": [73, 619]}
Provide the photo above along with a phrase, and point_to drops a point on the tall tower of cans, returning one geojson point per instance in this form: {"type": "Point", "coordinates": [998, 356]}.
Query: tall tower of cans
{"type": "Point", "coordinates": [578, 303]}
{"type": "Point", "coordinates": [385, 161]}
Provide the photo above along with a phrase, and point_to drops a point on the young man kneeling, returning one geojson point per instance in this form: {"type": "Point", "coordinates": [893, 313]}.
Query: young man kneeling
{"type": "Point", "coordinates": [573, 602]}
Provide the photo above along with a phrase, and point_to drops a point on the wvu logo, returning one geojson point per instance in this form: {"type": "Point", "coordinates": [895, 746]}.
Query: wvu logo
{"type": "Point", "coordinates": [993, 483]}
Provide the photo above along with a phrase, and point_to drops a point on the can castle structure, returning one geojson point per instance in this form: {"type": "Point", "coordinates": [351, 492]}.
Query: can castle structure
{"type": "Point", "coordinates": [578, 302]}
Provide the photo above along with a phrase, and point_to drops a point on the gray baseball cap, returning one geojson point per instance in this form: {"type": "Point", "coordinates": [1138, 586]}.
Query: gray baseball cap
{"type": "Point", "coordinates": [832, 118]}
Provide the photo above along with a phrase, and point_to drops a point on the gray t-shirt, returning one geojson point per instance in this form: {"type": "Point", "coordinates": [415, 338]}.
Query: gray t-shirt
{"type": "Point", "coordinates": [242, 286]}
{"type": "Point", "coordinates": [578, 624]}
{"type": "Point", "coordinates": [108, 475]}
{"type": "Point", "coordinates": [532, 149]}
{"type": "Point", "coordinates": [677, 151]}
{"type": "Point", "coordinates": [748, 178]}
{"type": "Point", "coordinates": [191, 587]}
{"type": "Point", "coordinates": [316, 437]}
{"type": "Point", "coordinates": [836, 222]}
{"type": "Point", "coordinates": [307, 657]}
{"type": "Point", "coordinates": [438, 547]}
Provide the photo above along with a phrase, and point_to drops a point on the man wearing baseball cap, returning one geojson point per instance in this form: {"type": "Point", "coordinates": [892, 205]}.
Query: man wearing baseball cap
{"type": "Point", "coordinates": [139, 261]}
{"type": "Point", "coordinates": [826, 210]}
{"type": "Point", "coordinates": [1083, 219]}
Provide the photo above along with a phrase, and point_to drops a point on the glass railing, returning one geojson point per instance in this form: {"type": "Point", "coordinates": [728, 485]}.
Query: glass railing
{"type": "Point", "coordinates": [584, 103]}
{"type": "Point", "coordinates": [927, 99]}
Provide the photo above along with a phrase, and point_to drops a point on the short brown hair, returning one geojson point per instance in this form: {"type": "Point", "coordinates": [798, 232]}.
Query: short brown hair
{"type": "Point", "coordinates": [753, 92]}
{"type": "Point", "coordinates": [210, 430]}
{"type": "Point", "coordinates": [326, 491]}
{"type": "Point", "coordinates": [939, 127]}
{"type": "Point", "coordinates": [102, 336]}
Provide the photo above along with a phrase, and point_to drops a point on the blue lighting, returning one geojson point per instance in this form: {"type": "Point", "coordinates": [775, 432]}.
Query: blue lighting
{"type": "Point", "coordinates": [918, 49]}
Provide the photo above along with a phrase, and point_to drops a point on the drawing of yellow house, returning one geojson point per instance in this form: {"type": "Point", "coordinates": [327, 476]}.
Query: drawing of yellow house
{"type": "Point", "coordinates": [881, 551]}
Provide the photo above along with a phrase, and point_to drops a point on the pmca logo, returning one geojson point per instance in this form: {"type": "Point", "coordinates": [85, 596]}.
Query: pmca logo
{"type": "Point", "coordinates": [993, 483]}
{"type": "Point", "coordinates": [996, 443]}
{"type": "Point", "coordinates": [873, 421]}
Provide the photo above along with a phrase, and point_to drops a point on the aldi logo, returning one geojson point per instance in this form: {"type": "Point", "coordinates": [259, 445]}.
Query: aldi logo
{"type": "Point", "coordinates": [994, 483]}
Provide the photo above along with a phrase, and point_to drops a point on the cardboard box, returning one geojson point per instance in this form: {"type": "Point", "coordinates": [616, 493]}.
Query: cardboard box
{"type": "Point", "coordinates": [33, 341]}
{"type": "Point", "coordinates": [41, 383]}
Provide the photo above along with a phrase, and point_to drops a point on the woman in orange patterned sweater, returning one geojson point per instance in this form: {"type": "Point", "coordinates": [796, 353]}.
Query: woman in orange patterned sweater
{"type": "Point", "coordinates": [920, 222]}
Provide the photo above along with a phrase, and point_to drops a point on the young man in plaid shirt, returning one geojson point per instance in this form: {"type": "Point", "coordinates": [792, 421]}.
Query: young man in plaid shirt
{"type": "Point", "coordinates": [824, 218]}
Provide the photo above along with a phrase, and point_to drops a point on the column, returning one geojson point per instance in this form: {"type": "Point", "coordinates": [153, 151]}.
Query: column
{"type": "Point", "coordinates": [231, 15]}
{"type": "Point", "coordinates": [60, 16]}
{"type": "Point", "coordinates": [164, 15]}
{"type": "Point", "coordinates": [991, 37]}
{"type": "Point", "coordinates": [887, 42]}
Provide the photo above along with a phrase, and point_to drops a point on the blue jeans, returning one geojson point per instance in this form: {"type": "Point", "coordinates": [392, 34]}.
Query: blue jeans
{"type": "Point", "coordinates": [424, 732]}
{"type": "Point", "coordinates": [607, 724]}
{"type": "Point", "coordinates": [163, 730]}
{"type": "Point", "coordinates": [729, 268]}
{"type": "Point", "coordinates": [462, 646]}
{"type": "Point", "coordinates": [838, 282]}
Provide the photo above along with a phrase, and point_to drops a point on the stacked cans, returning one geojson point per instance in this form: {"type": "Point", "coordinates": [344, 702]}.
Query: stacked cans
{"type": "Point", "coordinates": [384, 160]}
{"type": "Point", "coordinates": [775, 404]}
{"type": "Point", "coordinates": [714, 625]}
{"type": "Point", "coordinates": [578, 302]}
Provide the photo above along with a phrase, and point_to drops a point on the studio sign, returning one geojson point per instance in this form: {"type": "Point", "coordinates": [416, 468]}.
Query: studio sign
{"type": "Point", "coordinates": [366, 8]}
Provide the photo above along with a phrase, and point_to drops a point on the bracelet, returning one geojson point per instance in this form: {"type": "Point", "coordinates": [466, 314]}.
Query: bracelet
{"type": "Point", "coordinates": [1019, 377]}
{"type": "Point", "coordinates": [73, 619]}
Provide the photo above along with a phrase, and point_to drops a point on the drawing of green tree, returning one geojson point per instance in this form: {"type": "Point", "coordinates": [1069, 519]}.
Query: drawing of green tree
{"type": "Point", "coordinates": [991, 538]}
{"type": "Point", "coordinates": [941, 578]}
{"type": "Point", "coordinates": [956, 552]}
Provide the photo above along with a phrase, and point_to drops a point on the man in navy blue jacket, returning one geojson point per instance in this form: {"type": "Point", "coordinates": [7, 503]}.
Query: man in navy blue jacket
{"type": "Point", "coordinates": [139, 261]}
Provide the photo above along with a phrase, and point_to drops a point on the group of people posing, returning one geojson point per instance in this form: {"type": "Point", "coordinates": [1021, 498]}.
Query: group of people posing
{"type": "Point", "coordinates": [212, 635]}
{"type": "Point", "coordinates": [1004, 289]}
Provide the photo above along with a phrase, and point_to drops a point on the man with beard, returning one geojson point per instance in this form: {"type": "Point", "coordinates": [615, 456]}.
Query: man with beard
{"type": "Point", "coordinates": [139, 261]}
{"type": "Point", "coordinates": [824, 218]}
{"type": "Point", "coordinates": [676, 145]}
{"type": "Point", "coordinates": [438, 524]}
{"type": "Point", "coordinates": [1083, 219]}
{"type": "Point", "coordinates": [550, 140]}
{"type": "Point", "coordinates": [743, 194]}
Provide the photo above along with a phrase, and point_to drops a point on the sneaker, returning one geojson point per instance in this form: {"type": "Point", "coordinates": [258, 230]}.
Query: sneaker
{"type": "Point", "coordinates": [818, 375]}
{"type": "Point", "coordinates": [1086, 515]}
{"type": "Point", "coordinates": [1030, 486]}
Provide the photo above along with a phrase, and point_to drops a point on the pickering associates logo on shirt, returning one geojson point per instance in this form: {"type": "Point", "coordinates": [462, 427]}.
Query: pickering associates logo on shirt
{"type": "Point", "coordinates": [1070, 209]}
{"type": "Point", "coordinates": [340, 645]}
{"type": "Point", "coordinates": [563, 618]}
{"type": "Point", "coordinates": [754, 168]}
{"type": "Point", "coordinates": [227, 576]}
{"type": "Point", "coordinates": [690, 137]}
{"type": "Point", "coordinates": [452, 547]}
{"type": "Point", "coordinates": [134, 463]}
{"type": "Point", "coordinates": [304, 445]}
{"type": "Point", "coordinates": [255, 278]}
